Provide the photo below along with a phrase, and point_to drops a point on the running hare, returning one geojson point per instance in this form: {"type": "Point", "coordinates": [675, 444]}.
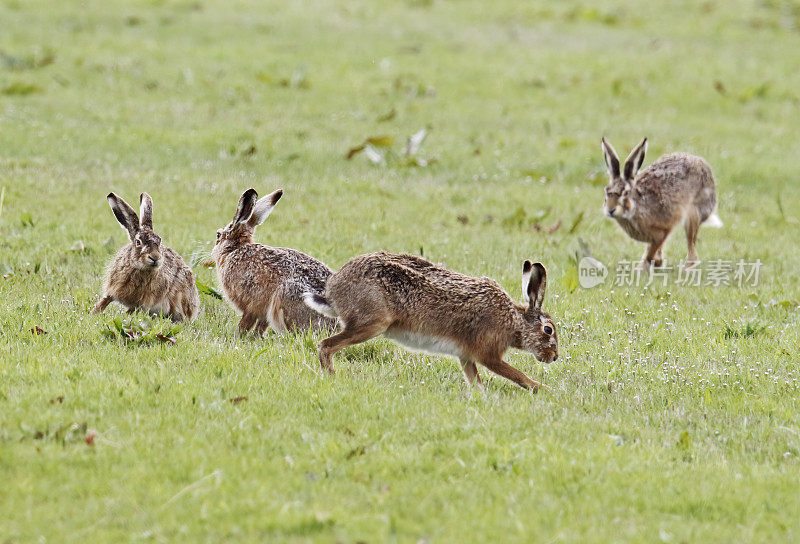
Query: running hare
{"type": "Point", "coordinates": [146, 274]}
{"type": "Point", "coordinates": [677, 188]}
{"type": "Point", "coordinates": [429, 308]}
{"type": "Point", "coordinates": [266, 283]}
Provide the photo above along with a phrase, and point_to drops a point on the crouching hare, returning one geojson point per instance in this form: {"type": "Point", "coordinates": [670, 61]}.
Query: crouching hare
{"type": "Point", "coordinates": [677, 188]}
{"type": "Point", "coordinates": [266, 283]}
{"type": "Point", "coordinates": [426, 307]}
{"type": "Point", "coordinates": [146, 274]}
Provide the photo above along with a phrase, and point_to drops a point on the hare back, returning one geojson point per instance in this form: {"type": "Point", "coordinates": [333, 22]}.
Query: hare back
{"type": "Point", "coordinates": [418, 298]}
{"type": "Point", "coordinates": [677, 178]}
{"type": "Point", "coordinates": [666, 193]}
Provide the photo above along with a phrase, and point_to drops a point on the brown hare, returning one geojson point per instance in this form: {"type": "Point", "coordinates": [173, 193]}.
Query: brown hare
{"type": "Point", "coordinates": [426, 307]}
{"type": "Point", "coordinates": [266, 283]}
{"type": "Point", "coordinates": [146, 274]}
{"type": "Point", "coordinates": [648, 205]}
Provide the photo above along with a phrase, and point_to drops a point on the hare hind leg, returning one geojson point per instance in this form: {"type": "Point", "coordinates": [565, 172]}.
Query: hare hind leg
{"type": "Point", "coordinates": [102, 304]}
{"type": "Point", "coordinates": [692, 225]}
{"type": "Point", "coordinates": [349, 335]}
{"type": "Point", "coordinates": [176, 316]}
{"type": "Point", "coordinates": [246, 323]}
{"type": "Point", "coordinates": [262, 325]}
{"type": "Point", "coordinates": [470, 372]}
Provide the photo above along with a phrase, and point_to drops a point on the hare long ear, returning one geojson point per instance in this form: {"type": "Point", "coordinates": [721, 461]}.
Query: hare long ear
{"type": "Point", "coordinates": [534, 284]}
{"type": "Point", "coordinates": [124, 214]}
{"type": "Point", "coordinates": [146, 210]}
{"type": "Point", "coordinates": [264, 207]}
{"type": "Point", "coordinates": [635, 160]}
{"type": "Point", "coordinates": [612, 159]}
{"type": "Point", "coordinates": [246, 204]}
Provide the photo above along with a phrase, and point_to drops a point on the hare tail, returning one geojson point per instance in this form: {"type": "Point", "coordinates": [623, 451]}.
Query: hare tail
{"type": "Point", "coordinates": [713, 221]}
{"type": "Point", "coordinates": [319, 304]}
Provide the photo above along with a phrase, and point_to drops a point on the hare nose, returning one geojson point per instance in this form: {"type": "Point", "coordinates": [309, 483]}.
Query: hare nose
{"type": "Point", "coordinates": [153, 260]}
{"type": "Point", "coordinates": [611, 213]}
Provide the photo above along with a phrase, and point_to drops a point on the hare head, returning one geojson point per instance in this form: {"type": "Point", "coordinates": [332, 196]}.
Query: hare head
{"type": "Point", "coordinates": [250, 213]}
{"type": "Point", "coordinates": [145, 246]}
{"type": "Point", "coordinates": [538, 335]}
{"type": "Point", "coordinates": [619, 200]}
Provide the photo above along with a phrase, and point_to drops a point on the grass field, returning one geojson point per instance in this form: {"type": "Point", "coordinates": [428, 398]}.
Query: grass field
{"type": "Point", "coordinates": [672, 413]}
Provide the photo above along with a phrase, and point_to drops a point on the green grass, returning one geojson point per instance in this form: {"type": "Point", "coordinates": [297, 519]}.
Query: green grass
{"type": "Point", "coordinates": [672, 414]}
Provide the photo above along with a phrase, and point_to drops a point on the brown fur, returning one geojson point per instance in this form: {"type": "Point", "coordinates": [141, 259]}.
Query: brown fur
{"type": "Point", "coordinates": [267, 283]}
{"type": "Point", "coordinates": [427, 307]}
{"type": "Point", "coordinates": [677, 188]}
{"type": "Point", "coordinates": [145, 274]}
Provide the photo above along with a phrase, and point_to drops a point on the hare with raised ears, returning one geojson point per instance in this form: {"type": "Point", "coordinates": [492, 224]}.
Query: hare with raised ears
{"type": "Point", "coordinates": [145, 274]}
{"type": "Point", "coordinates": [426, 307]}
{"type": "Point", "coordinates": [648, 205]}
{"type": "Point", "coordinates": [267, 283]}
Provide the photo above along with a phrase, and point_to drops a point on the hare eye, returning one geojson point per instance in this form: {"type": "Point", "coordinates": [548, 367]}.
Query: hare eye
{"type": "Point", "coordinates": [137, 242]}
{"type": "Point", "coordinates": [548, 329]}
{"type": "Point", "coordinates": [218, 234]}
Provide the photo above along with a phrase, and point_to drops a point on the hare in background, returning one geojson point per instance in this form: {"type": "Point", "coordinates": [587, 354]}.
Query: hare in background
{"type": "Point", "coordinates": [648, 205]}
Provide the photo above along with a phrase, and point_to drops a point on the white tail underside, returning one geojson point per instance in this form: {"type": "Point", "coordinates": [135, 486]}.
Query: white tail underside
{"type": "Point", "coordinates": [320, 308]}
{"type": "Point", "coordinates": [713, 221]}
